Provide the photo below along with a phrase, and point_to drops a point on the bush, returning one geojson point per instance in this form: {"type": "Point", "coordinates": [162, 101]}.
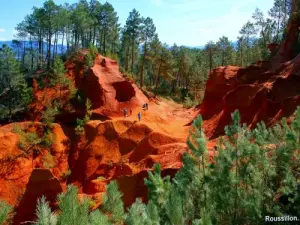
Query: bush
{"type": "Point", "coordinates": [88, 61]}
{"type": "Point", "coordinates": [81, 122]}
{"type": "Point", "coordinates": [48, 161]}
{"type": "Point", "coordinates": [163, 89]}
{"type": "Point", "coordinates": [57, 73]}
{"type": "Point", "coordinates": [5, 212]}
{"type": "Point", "coordinates": [112, 56]}
{"type": "Point", "coordinates": [31, 141]}
{"type": "Point", "coordinates": [93, 51]}
{"type": "Point", "coordinates": [90, 57]}
{"type": "Point", "coordinates": [189, 103]}
{"type": "Point", "coordinates": [48, 115]}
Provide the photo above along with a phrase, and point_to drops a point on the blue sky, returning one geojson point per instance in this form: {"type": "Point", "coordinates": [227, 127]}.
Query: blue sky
{"type": "Point", "coordinates": [184, 22]}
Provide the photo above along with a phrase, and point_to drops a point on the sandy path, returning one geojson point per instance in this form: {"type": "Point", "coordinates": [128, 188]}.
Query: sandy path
{"type": "Point", "coordinates": [164, 116]}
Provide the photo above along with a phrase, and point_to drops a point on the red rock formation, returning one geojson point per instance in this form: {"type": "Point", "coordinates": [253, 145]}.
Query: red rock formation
{"type": "Point", "coordinates": [121, 150]}
{"type": "Point", "coordinates": [259, 94]}
{"type": "Point", "coordinates": [106, 87]}
{"type": "Point", "coordinates": [19, 181]}
{"type": "Point", "coordinates": [103, 84]}
{"type": "Point", "coordinates": [41, 183]}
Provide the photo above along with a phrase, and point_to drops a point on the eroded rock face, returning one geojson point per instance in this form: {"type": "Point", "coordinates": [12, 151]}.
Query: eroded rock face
{"type": "Point", "coordinates": [41, 183]}
{"type": "Point", "coordinates": [257, 92]}
{"type": "Point", "coordinates": [106, 87]}
{"type": "Point", "coordinates": [121, 150]}
{"type": "Point", "coordinates": [23, 176]}
{"type": "Point", "coordinates": [108, 90]}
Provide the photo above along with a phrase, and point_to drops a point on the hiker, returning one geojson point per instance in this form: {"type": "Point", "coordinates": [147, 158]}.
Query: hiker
{"type": "Point", "coordinates": [130, 111]}
{"type": "Point", "coordinates": [146, 106]}
{"type": "Point", "coordinates": [139, 116]}
{"type": "Point", "coordinates": [125, 112]}
{"type": "Point", "coordinates": [103, 63]}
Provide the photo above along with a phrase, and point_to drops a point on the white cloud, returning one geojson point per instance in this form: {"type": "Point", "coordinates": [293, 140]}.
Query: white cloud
{"type": "Point", "coordinates": [3, 39]}
{"type": "Point", "coordinates": [2, 30]}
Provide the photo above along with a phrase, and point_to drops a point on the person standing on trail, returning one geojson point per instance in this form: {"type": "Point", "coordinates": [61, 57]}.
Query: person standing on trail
{"type": "Point", "coordinates": [125, 112]}
{"type": "Point", "coordinates": [130, 111]}
{"type": "Point", "coordinates": [139, 116]}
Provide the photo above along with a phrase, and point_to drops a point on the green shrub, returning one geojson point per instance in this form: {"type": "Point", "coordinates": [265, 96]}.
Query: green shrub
{"type": "Point", "coordinates": [48, 161]}
{"type": "Point", "coordinates": [188, 102]}
{"type": "Point", "coordinates": [31, 141]}
{"type": "Point", "coordinates": [5, 212]}
{"type": "Point", "coordinates": [112, 56]}
{"type": "Point", "coordinates": [81, 122]}
{"type": "Point", "coordinates": [48, 115]}
{"type": "Point", "coordinates": [93, 51]}
{"type": "Point", "coordinates": [88, 61]}
{"type": "Point", "coordinates": [90, 57]}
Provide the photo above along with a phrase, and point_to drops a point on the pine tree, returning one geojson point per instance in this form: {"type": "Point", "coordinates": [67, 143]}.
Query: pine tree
{"type": "Point", "coordinates": [137, 214]}
{"type": "Point", "coordinates": [97, 217]}
{"type": "Point", "coordinates": [109, 28]}
{"type": "Point", "coordinates": [44, 214]}
{"type": "Point", "coordinates": [132, 29]}
{"type": "Point", "coordinates": [147, 36]}
{"type": "Point", "coordinates": [225, 50]}
{"type": "Point", "coordinates": [113, 204]}
{"type": "Point", "coordinates": [14, 93]}
{"type": "Point", "coordinates": [72, 212]}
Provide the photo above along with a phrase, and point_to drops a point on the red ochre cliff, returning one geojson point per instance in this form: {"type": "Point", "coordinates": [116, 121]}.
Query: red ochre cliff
{"type": "Point", "coordinates": [258, 92]}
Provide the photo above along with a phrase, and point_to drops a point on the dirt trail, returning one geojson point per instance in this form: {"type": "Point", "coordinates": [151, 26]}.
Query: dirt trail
{"type": "Point", "coordinates": [164, 116]}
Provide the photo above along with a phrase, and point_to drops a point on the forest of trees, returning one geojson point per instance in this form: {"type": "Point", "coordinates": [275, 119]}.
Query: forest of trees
{"type": "Point", "coordinates": [168, 70]}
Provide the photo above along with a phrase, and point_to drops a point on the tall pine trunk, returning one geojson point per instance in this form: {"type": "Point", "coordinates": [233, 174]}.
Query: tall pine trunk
{"type": "Point", "coordinates": [31, 50]}
{"type": "Point", "coordinates": [94, 34]}
{"type": "Point", "coordinates": [40, 57]}
{"type": "Point", "coordinates": [104, 42]}
{"type": "Point", "coordinates": [24, 51]}
{"type": "Point", "coordinates": [49, 49]}
{"type": "Point", "coordinates": [62, 42]}
{"type": "Point", "coordinates": [158, 74]}
{"type": "Point", "coordinates": [56, 44]}
{"type": "Point", "coordinates": [142, 67]}
{"type": "Point", "coordinates": [53, 50]}
{"type": "Point", "coordinates": [132, 54]}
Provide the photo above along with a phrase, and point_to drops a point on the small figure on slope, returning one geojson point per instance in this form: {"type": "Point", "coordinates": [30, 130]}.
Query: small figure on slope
{"type": "Point", "coordinates": [125, 112]}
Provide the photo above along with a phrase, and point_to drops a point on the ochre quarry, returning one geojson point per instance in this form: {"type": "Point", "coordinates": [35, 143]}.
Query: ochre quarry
{"type": "Point", "coordinates": [110, 148]}
{"type": "Point", "coordinates": [259, 94]}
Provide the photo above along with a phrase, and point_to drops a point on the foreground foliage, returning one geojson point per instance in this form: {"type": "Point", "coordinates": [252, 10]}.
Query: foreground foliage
{"type": "Point", "coordinates": [253, 174]}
